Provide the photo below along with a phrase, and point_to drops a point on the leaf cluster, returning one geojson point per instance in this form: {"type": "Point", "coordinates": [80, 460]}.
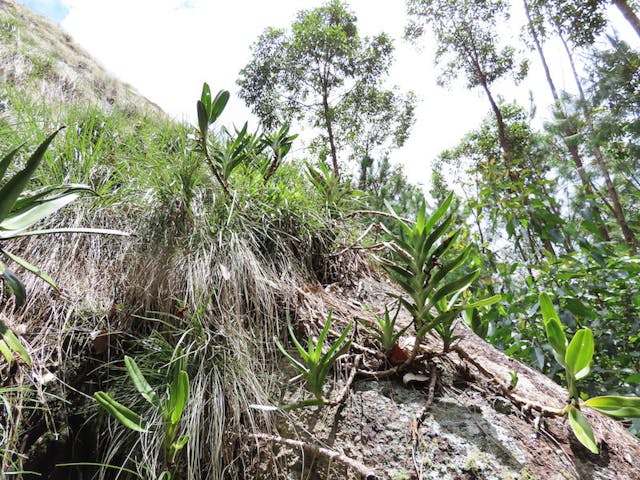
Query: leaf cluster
{"type": "Point", "coordinates": [576, 357]}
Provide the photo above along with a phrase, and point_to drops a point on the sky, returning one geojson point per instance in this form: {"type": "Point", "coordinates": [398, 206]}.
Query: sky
{"type": "Point", "coordinates": [166, 49]}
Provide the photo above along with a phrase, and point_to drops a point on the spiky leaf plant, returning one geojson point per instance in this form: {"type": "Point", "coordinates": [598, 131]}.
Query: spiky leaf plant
{"type": "Point", "coordinates": [315, 363]}
{"type": "Point", "coordinates": [421, 266]}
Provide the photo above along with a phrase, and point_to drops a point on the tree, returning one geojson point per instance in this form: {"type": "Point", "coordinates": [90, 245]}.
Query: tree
{"type": "Point", "coordinates": [467, 46]}
{"type": "Point", "coordinates": [323, 71]}
{"type": "Point", "coordinates": [536, 27]}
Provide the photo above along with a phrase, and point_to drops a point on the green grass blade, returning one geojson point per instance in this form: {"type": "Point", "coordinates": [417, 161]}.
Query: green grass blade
{"type": "Point", "coordinates": [31, 268]}
{"type": "Point", "coordinates": [140, 382]}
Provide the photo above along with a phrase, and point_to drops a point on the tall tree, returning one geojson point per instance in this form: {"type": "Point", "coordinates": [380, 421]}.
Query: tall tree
{"type": "Point", "coordinates": [536, 27]}
{"type": "Point", "coordinates": [467, 46]}
{"type": "Point", "coordinates": [628, 14]}
{"type": "Point", "coordinates": [315, 70]}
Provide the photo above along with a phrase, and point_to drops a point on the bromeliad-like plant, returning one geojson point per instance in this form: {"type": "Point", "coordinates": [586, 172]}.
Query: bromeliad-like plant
{"type": "Point", "coordinates": [20, 210]}
{"type": "Point", "coordinates": [576, 357]}
{"type": "Point", "coordinates": [421, 267]}
{"type": "Point", "coordinates": [315, 363]}
{"type": "Point", "coordinates": [169, 404]}
{"type": "Point", "coordinates": [279, 142]}
{"type": "Point", "coordinates": [385, 330]}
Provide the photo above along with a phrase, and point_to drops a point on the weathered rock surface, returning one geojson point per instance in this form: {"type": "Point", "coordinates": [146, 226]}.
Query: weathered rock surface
{"type": "Point", "coordinates": [470, 431]}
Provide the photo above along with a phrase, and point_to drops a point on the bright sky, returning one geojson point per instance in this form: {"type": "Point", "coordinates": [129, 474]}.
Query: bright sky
{"type": "Point", "coordinates": [166, 49]}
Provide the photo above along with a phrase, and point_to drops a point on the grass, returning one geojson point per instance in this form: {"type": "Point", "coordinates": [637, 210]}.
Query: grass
{"type": "Point", "coordinates": [201, 273]}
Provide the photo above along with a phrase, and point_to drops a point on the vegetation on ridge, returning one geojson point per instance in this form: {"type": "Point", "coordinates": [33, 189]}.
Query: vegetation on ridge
{"type": "Point", "coordinates": [151, 357]}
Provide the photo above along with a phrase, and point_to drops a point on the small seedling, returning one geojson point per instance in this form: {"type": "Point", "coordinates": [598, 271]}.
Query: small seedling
{"type": "Point", "coordinates": [315, 365]}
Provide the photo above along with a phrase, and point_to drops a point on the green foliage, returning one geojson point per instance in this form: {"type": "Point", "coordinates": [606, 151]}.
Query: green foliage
{"type": "Point", "coordinates": [337, 195]}
{"type": "Point", "coordinates": [323, 71]}
{"type": "Point", "coordinates": [422, 268]}
{"type": "Point", "coordinates": [316, 363]}
{"type": "Point", "coordinates": [10, 345]}
{"type": "Point", "coordinates": [467, 41]}
{"type": "Point", "coordinates": [385, 331]}
{"type": "Point", "coordinates": [19, 211]}
{"type": "Point", "coordinates": [576, 357]}
{"type": "Point", "coordinates": [170, 405]}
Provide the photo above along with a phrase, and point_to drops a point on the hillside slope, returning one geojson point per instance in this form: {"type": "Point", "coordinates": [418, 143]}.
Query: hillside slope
{"type": "Point", "coordinates": [44, 63]}
{"type": "Point", "coordinates": [199, 290]}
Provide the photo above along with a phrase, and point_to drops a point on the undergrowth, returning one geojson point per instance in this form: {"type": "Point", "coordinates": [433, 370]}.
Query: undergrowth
{"type": "Point", "coordinates": [199, 273]}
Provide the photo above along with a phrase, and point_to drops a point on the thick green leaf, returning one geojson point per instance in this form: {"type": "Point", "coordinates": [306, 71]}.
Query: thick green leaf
{"type": "Point", "coordinates": [11, 340]}
{"type": "Point", "coordinates": [6, 352]}
{"type": "Point", "coordinates": [7, 159]}
{"type": "Point", "coordinates": [37, 213]}
{"type": "Point", "coordinates": [614, 406]}
{"type": "Point", "coordinates": [579, 353]}
{"type": "Point", "coordinates": [442, 209]}
{"type": "Point", "coordinates": [14, 187]}
{"type": "Point", "coordinates": [46, 194]}
{"type": "Point", "coordinates": [633, 378]}
{"type": "Point", "coordinates": [121, 413]}
{"type": "Point", "coordinates": [31, 268]}
{"type": "Point", "coordinates": [205, 98]}
{"type": "Point", "coordinates": [14, 284]}
{"type": "Point", "coordinates": [582, 429]}
{"type": "Point", "coordinates": [180, 443]}
{"type": "Point", "coordinates": [218, 105]}
{"type": "Point", "coordinates": [553, 327]}
{"type": "Point", "coordinates": [485, 302]}
{"type": "Point", "coordinates": [295, 362]}
{"type": "Point", "coordinates": [457, 285]}
{"type": "Point", "coordinates": [178, 396]}
{"type": "Point", "coordinates": [203, 121]}
{"type": "Point", "coordinates": [140, 382]}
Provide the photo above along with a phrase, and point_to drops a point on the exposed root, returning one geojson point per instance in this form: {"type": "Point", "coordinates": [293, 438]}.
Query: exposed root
{"type": "Point", "coordinates": [332, 455]}
{"type": "Point", "coordinates": [524, 403]}
{"type": "Point", "coordinates": [347, 388]}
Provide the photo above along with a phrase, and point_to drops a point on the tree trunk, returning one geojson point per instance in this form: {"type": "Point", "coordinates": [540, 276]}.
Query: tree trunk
{"type": "Point", "coordinates": [573, 149]}
{"type": "Point", "coordinates": [508, 157]}
{"type": "Point", "coordinates": [329, 124]}
{"type": "Point", "coordinates": [628, 14]}
{"type": "Point", "coordinates": [617, 210]}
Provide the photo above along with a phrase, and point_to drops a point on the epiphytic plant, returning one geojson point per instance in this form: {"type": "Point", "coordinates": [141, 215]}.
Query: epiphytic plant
{"type": "Point", "coordinates": [576, 356]}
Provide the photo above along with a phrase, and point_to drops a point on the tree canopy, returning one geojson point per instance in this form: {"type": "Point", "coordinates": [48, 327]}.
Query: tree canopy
{"type": "Point", "coordinates": [323, 71]}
